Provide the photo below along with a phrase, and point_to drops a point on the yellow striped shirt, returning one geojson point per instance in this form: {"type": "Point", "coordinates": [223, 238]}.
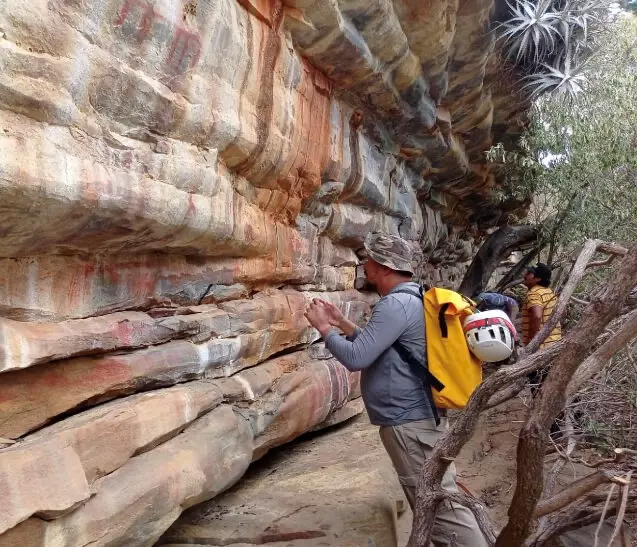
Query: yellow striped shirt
{"type": "Point", "coordinates": [546, 299]}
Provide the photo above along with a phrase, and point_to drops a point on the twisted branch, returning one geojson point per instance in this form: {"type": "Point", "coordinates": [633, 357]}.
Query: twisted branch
{"type": "Point", "coordinates": [552, 397]}
{"type": "Point", "coordinates": [571, 351]}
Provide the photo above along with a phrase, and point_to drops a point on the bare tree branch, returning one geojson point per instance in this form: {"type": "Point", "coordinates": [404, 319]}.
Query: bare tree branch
{"type": "Point", "coordinates": [594, 364]}
{"type": "Point", "coordinates": [606, 262]}
{"type": "Point", "coordinates": [622, 505]}
{"type": "Point", "coordinates": [621, 512]}
{"type": "Point", "coordinates": [551, 479]}
{"type": "Point", "coordinates": [495, 249]}
{"type": "Point", "coordinates": [603, 515]}
{"type": "Point", "coordinates": [573, 518]}
{"type": "Point", "coordinates": [479, 512]}
{"type": "Point", "coordinates": [575, 491]}
{"type": "Point", "coordinates": [552, 397]}
{"type": "Point", "coordinates": [612, 248]}
{"type": "Point", "coordinates": [506, 394]}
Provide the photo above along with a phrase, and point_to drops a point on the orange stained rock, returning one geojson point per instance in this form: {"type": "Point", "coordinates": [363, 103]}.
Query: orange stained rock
{"type": "Point", "coordinates": [263, 9]}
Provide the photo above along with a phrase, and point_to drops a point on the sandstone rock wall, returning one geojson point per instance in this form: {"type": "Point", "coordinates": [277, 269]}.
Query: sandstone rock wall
{"type": "Point", "coordinates": [338, 489]}
{"type": "Point", "coordinates": [178, 178]}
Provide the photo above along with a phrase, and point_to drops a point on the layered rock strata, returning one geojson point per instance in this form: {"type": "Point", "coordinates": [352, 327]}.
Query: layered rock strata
{"type": "Point", "coordinates": [177, 180]}
{"type": "Point", "coordinates": [120, 473]}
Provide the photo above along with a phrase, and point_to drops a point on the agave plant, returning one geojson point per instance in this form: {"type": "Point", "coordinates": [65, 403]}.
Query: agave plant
{"type": "Point", "coordinates": [549, 39]}
{"type": "Point", "coordinates": [564, 78]}
{"type": "Point", "coordinates": [531, 32]}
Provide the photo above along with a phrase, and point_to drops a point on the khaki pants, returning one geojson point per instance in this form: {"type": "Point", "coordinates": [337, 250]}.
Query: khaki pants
{"type": "Point", "coordinates": [408, 445]}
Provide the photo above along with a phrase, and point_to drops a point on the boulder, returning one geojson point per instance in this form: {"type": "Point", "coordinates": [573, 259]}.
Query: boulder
{"type": "Point", "coordinates": [137, 502]}
{"type": "Point", "coordinates": [332, 489]}
{"type": "Point", "coordinates": [46, 479]}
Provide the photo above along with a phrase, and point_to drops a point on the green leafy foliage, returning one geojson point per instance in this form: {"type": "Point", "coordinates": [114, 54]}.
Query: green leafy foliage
{"type": "Point", "coordinates": [579, 157]}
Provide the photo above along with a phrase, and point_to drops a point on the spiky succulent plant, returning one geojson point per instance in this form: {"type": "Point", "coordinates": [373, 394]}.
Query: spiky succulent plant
{"type": "Point", "coordinates": [549, 40]}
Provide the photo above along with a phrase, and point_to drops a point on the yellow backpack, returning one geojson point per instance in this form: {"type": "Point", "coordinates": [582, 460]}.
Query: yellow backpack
{"type": "Point", "coordinates": [451, 369]}
{"type": "Point", "coordinates": [448, 356]}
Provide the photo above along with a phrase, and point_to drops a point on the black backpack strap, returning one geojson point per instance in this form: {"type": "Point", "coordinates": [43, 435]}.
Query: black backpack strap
{"type": "Point", "coordinates": [429, 381]}
{"type": "Point", "coordinates": [442, 320]}
{"type": "Point", "coordinates": [418, 367]}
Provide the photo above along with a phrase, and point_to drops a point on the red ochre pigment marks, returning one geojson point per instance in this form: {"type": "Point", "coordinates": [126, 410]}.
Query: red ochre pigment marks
{"type": "Point", "coordinates": [139, 20]}
{"type": "Point", "coordinates": [265, 99]}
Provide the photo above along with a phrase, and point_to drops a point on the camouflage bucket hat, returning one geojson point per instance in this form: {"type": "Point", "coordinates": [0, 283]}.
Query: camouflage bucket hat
{"type": "Point", "coordinates": [391, 251]}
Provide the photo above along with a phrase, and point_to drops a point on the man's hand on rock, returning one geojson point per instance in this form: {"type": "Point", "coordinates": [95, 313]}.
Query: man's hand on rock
{"type": "Point", "coordinates": [318, 317]}
{"type": "Point", "coordinates": [334, 315]}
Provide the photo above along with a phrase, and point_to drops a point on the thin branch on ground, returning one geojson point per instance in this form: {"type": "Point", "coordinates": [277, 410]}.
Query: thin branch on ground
{"type": "Point", "coordinates": [603, 515]}
{"type": "Point", "coordinates": [621, 512]}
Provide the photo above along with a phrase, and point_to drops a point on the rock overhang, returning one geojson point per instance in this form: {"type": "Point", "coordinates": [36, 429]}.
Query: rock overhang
{"type": "Point", "coordinates": [177, 180]}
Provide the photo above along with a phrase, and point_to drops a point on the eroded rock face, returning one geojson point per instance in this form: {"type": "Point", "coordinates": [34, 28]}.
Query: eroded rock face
{"type": "Point", "coordinates": [137, 462]}
{"type": "Point", "coordinates": [177, 180]}
{"type": "Point", "coordinates": [331, 490]}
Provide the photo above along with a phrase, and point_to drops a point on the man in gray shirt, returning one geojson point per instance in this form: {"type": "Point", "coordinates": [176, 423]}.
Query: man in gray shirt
{"type": "Point", "coordinates": [396, 394]}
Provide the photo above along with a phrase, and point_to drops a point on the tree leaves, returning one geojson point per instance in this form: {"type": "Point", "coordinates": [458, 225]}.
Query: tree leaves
{"type": "Point", "coordinates": [580, 154]}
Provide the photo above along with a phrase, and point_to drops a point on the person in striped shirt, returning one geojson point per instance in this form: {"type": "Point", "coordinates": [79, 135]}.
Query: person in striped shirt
{"type": "Point", "coordinates": [538, 307]}
{"type": "Point", "coordinates": [539, 304]}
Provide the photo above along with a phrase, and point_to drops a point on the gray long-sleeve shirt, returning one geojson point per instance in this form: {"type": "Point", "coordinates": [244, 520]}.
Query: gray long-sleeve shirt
{"type": "Point", "coordinates": [393, 394]}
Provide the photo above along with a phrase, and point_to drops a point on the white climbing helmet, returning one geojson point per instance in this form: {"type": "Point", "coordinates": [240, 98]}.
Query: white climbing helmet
{"type": "Point", "coordinates": [490, 335]}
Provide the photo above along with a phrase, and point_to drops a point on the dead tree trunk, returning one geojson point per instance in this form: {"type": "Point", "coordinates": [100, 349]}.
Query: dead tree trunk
{"type": "Point", "coordinates": [567, 354]}
{"type": "Point", "coordinates": [552, 398]}
{"type": "Point", "coordinates": [495, 249]}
